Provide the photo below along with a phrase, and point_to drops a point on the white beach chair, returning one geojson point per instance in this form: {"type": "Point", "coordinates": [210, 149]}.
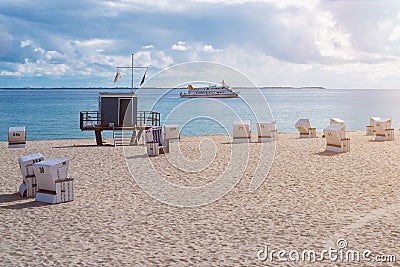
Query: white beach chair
{"type": "Point", "coordinates": [16, 137]}
{"type": "Point", "coordinates": [53, 183]}
{"type": "Point", "coordinates": [336, 140]}
{"type": "Point", "coordinates": [171, 132]}
{"type": "Point", "coordinates": [154, 140]}
{"type": "Point", "coordinates": [383, 129]}
{"type": "Point", "coordinates": [267, 132]}
{"type": "Point", "coordinates": [305, 130]}
{"type": "Point", "coordinates": [370, 129]}
{"type": "Point", "coordinates": [241, 131]}
{"type": "Point", "coordinates": [28, 188]}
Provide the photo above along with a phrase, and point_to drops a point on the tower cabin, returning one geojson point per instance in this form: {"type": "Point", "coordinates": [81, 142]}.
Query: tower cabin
{"type": "Point", "coordinates": [117, 112]}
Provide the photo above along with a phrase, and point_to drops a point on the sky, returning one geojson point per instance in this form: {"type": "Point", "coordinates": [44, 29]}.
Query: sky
{"type": "Point", "coordinates": [331, 43]}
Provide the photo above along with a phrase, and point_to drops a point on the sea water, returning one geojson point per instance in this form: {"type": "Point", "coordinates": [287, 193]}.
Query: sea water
{"type": "Point", "coordinates": [54, 113]}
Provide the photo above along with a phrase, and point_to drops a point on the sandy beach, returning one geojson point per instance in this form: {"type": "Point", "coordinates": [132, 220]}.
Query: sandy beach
{"type": "Point", "coordinates": [310, 199]}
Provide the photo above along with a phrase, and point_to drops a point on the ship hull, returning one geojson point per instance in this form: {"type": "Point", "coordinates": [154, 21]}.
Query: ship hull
{"type": "Point", "coordinates": [209, 96]}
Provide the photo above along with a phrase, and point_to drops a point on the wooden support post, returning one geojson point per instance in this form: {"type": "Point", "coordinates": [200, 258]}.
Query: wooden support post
{"type": "Point", "coordinates": [99, 139]}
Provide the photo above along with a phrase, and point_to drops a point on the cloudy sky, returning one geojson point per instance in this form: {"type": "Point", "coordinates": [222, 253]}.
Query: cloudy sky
{"type": "Point", "coordinates": [335, 44]}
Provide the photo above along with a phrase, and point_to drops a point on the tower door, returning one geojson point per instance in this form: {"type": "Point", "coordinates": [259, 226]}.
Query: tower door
{"type": "Point", "coordinates": [125, 115]}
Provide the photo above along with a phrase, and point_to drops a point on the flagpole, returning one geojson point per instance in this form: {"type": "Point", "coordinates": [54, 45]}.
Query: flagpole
{"type": "Point", "coordinates": [132, 74]}
{"type": "Point", "coordinates": [118, 75]}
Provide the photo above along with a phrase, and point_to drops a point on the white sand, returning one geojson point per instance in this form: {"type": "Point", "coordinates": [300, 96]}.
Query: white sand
{"type": "Point", "coordinates": [309, 200]}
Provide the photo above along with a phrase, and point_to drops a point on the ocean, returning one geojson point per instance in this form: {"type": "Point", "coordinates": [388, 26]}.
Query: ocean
{"type": "Point", "coordinates": [54, 113]}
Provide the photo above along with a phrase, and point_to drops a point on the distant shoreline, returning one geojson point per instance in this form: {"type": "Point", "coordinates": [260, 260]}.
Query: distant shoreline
{"type": "Point", "coordinates": [184, 88]}
{"type": "Point", "coordinates": [127, 88]}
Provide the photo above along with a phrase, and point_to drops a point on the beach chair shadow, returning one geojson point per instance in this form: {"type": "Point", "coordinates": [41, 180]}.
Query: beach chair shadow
{"type": "Point", "coordinates": [5, 198]}
{"type": "Point", "coordinates": [25, 205]}
{"type": "Point", "coordinates": [77, 146]}
{"type": "Point", "coordinates": [138, 157]}
{"type": "Point", "coordinates": [328, 153]}
{"type": "Point", "coordinates": [298, 138]}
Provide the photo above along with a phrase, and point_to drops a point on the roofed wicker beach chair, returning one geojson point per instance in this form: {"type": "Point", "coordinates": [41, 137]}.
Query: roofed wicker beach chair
{"type": "Point", "coordinates": [28, 188]}
{"type": "Point", "coordinates": [336, 140]}
{"type": "Point", "coordinates": [383, 130]}
{"type": "Point", "coordinates": [370, 129]}
{"type": "Point", "coordinates": [241, 131]}
{"type": "Point", "coordinates": [267, 131]}
{"type": "Point", "coordinates": [155, 140]}
{"type": "Point", "coordinates": [305, 130]}
{"type": "Point", "coordinates": [16, 137]}
{"type": "Point", "coordinates": [172, 132]}
{"type": "Point", "coordinates": [53, 183]}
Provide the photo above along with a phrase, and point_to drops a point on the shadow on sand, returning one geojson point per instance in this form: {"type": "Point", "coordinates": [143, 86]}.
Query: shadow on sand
{"type": "Point", "coordinates": [138, 157]}
{"type": "Point", "coordinates": [327, 153]}
{"type": "Point", "coordinates": [73, 146]}
{"type": "Point", "coordinates": [25, 205]}
{"type": "Point", "coordinates": [5, 198]}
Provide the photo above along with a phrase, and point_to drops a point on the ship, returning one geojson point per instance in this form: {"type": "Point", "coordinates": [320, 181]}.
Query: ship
{"type": "Point", "coordinates": [211, 91]}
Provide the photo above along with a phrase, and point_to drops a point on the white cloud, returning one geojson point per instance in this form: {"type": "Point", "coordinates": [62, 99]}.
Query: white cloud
{"type": "Point", "coordinates": [153, 59]}
{"type": "Point", "coordinates": [41, 68]}
{"type": "Point", "coordinates": [179, 46]}
{"type": "Point", "coordinates": [171, 6]}
{"type": "Point", "coordinates": [209, 49]}
{"type": "Point", "coordinates": [266, 70]}
{"type": "Point", "coordinates": [9, 73]}
{"type": "Point", "coordinates": [395, 34]}
{"type": "Point", "coordinates": [39, 50]}
{"type": "Point", "coordinates": [331, 40]}
{"type": "Point", "coordinates": [25, 43]}
{"type": "Point", "coordinates": [280, 4]}
{"type": "Point", "coordinates": [54, 57]}
{"type": "Point", "coordinates": [304, 4]}
{"type": "Point", "coordinates": [148, 46]}
{"type": "Point", "coordinates": [94, 42]}
{"type": "Point", "coordinates": [297, 42]}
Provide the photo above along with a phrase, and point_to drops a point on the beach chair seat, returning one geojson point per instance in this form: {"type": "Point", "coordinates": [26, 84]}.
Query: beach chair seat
{"type": "Point", "coordinates": [28, 188]}
{"type": "Point", "coordinates": [383, 130]}
{"type": "Point", "coordinates": [305, 130]}
{"type": "Point", "coordinates": [336, 140]}
{"type": "Point", "coordinates": [16, 137]}
{"type": "Point", "coordinates": [241, 131]}
{"type": "Point", "coordinates": [153, 149]}
{"type": "Point", "coordinates": [53, 183]}
{"type": "Point", "coordinates": [370, 129]}
{"type": "Point", "coordinates": [267, 131]}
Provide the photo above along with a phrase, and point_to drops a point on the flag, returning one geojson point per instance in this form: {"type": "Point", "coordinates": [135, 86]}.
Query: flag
{"type": "Point", "coordinates": [144, 76]}
{"type": "Point", "coordinates": [117, 76]}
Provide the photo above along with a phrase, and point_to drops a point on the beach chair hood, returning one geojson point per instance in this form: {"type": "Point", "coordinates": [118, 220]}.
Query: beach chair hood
{"type": "Point", "coordinates": [303, 125]}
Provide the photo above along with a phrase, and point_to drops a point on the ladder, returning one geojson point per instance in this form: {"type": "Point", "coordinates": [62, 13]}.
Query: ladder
{"type": "Point", "coordinates": [126, 136]}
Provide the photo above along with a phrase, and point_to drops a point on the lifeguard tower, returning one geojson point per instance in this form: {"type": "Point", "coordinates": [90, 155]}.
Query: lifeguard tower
{"type": "Point", "coordinates": [118, 112]}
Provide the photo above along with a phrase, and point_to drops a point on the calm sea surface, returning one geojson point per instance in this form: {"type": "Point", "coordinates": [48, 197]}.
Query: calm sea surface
{"type": "Point", "coordinates": [54, 114]}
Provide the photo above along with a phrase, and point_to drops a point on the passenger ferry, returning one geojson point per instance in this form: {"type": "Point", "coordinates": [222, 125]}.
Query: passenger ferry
{"type": "Point", "coordinates": [211, 91]}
